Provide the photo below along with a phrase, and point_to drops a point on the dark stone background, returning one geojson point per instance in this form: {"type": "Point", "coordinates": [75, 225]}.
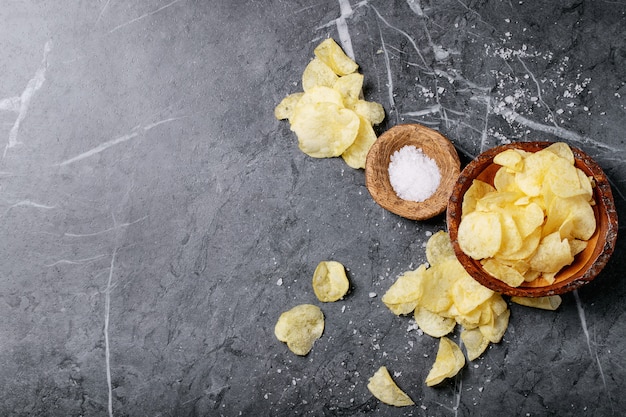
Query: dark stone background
{"type": "Point", "coordinates": [157, 219]}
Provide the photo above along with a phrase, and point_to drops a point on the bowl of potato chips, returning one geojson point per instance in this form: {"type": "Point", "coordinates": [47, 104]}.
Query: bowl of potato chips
{"type": "Point", "coordinates": [532, 219]}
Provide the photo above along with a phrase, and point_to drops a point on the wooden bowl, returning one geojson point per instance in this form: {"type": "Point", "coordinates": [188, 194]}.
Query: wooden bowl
{"type": "Point", "coordinates": [434, 145]}
{"type": "Point", "coordinates": [587, 264]}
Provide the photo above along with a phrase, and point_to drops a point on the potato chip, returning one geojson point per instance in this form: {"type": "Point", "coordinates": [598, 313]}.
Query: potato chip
{"type": "Point", "coordinates": [324, 129]}
{"type": "Point", "coordinates": [480, 234]}
{"type": "Point", "coordinates": [511, 237]}
{"type": "Point", "coordinates": [475, 192]}
{"type": "Point", "coordinates": [475, 343]}
{"type": "Point", "coordinates": [468, 294]}
{"type": "Point", "coordinates": [300, 327]}
{"type": "Point", "coordinates": [330, 282]}
{"type": "Point", "coordinates": [383, 387]}
{"type": "Point", "coordinates": [576, 246]}
{"type": "Point", "coordinates": [316, 74]}
{"type": "Point", "coordinates": [332, 55]}
{"type": "Point", "coordinates": [562, 150]}
{"type": "Point", "coordinates": [530, 180]}
{"type": "Point", "coordinates": [437, 285]}
{"type": "Point", "coordinates": [511, 159]}
{"type": "Point", "coordinates": [286, 107]}
{"type": "Point", "coordinates": [405, 293]}
{"type": "Point", "coordinates": [449, 361]}
{"type": "Point", "coordinates": [553, 253]}
{"type": "Point", "coordinates": [370, 110]}
{"type": "Point", "coordinates": [504, 181]}
{"type": "Point", "coordinates": [433, 324]}
{"type": "Point", "coordinates": [439, 248]}
{"type": "Point", "coordinates": [503, 272]}
{"type": "Point", "coordinates": [550, 302]}
{"type": "Point", "coordinates": [349, 86]}
{"type": "Point", "coordinates": [356, 154]}
{"type": "Point", "coordinates": [319, 94]}
{"type": "Point", "coordinates": [495, 331]}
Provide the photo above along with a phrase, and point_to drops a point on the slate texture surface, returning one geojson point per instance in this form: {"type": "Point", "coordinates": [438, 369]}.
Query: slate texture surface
{"type": "Point", "coordinates": [157, 218]}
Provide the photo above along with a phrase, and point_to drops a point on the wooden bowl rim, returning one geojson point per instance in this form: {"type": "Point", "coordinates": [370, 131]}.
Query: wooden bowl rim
{"type": "Point", "coordinates": [606, 215]}
{"type": "Point", "coordinates": [377, 175]}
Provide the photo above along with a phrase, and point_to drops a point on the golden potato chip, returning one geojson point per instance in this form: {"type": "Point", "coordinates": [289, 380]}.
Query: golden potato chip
{"type": "Point", "coordinates": [332, 55]}
{"type": "Point", "coordinates": [439, 248]}
{"type": "Point", "coordinates": [383, 387]}
{"type": "Point", "coordinates": [562, 150]}
{"type": "Point", "coordinates": [504, 181]}
{"type": "Point", "coordinates": [551, 302]}
{"type": "Point", "coordinates": [300, 327]}
{"type": "Point", "coordinates": [286, 107]}
{"type": "Point", "coordinates": [324, 129]}
{"type": "Point", "coordinates": [527, 217]}
{"type": "Point", "coordinates": [511, 159]}
{"type": "Point", "coordinates": [475, 343]}
{"type": "Point", "coordinates": [504, 273]}
{"type": "Point", "coordinates": [480, 234]}
{"type": "Point", "coordinates": [356, 154]}
{"type": "Point", "coordinates": [370, 110]}
{"type": "Point", "coordinates": [553, 253]}
{"type": "Point", "coordinates": [330, 282]}
{"type": "Point", "coordinates": [468, 294]}
{"type": "Point", "coordinates": [577, 246]}
{"type": "Point", "coordinates": [475, 192]}
{"type": "Point", "coordinates": [316, 74]}
{"type": "Point", "coordinates": [319, 94]}
{"type": "Point", "coordinates": [511, 237]}
{"type": "Point", "coordinates": [405, 293]}
{"type": "Point", "coordinates": [449, 361]}
{"type": "Point", "coordinates": [433, 324]}
{"type": "Point", "coordinates": [349, 86]}
{"type": "Point", "coordinates": [495, 331]}
{"type": "Point", "coordinates": [530, 180]}
{"type": "Point", "coordinates": [437, 285]}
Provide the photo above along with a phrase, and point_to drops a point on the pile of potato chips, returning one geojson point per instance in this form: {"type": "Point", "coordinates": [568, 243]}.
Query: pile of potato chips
{"type": "Point", "coordinates": [329, 117]}
{"type": "Point", "coordinates": [534, 220]}
{"type": "Point", "coordinates": [442, 295]}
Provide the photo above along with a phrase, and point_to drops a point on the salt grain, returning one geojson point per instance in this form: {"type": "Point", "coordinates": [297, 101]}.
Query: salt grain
{"type": "Point", "coordinates": [413, 175]}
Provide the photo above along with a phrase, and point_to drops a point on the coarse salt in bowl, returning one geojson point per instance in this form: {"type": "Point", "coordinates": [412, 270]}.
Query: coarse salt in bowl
{"type": "Point", "coordinates": [424, 165]}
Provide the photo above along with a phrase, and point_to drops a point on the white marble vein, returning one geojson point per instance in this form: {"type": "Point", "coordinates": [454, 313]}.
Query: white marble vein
{"type": "Point", "coordinates": [33, 85]}
{"type": "Point", "coordinates": [107, 350]}
{"type": "Point", "coordinates": [143, 16]}
{"type": "Point", "coordinates": [124, 138]}
{"type": "Point", "coordinates": [115, 228]}
{"type": "Point", "coordinates": [594, 355]}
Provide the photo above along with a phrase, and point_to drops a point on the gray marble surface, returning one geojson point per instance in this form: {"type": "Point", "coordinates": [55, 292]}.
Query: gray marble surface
{"type": "Point", "coordinates": [157, 218]}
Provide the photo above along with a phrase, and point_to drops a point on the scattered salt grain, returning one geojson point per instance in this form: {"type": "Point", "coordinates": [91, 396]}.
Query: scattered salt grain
{"type": "Point", "coordinates": [413, 175]}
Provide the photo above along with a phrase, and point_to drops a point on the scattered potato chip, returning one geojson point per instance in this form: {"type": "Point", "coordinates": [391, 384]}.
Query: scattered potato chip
{"type": "Point", "coordinates": [349, 87]}
{"type": "Point", "coordinates": [383, 387]}
{"type": "Point", "coordinates": [433, 324]}
{"type": "Point", "coordinates": [550, 302]}
{"type": "Point", "coordinates": [475, 343]}
{"type": "Point", "coordinates": [316, 74]}
{"type": "Point", "coordinates": [356, 154]}
{"type": "Point", "coordinates": [544, 205]}
{"type": "Point", "coordinates": [439, 248]}
{"type": "Point", "coordinates": [449, 361]}
{"type": "Point", "coordinates": [330, 282]}
{"type": "Point", "coordinates": [300, 327]}
{"type": "Point", "coordinates": [286, 107]}
{"type": "Point", "coordinates": [324, 129]}
{"type": "Point", "coordinates": [332, 55]}
{"type": "Point", "coordinates": [404, 295]}
{"type": "Point", "coordinates": [370, 110]}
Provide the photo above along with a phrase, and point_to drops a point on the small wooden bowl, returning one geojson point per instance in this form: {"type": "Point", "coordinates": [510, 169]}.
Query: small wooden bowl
{"type": "Point", "coordinates": [587, 264]}
{"type": "Point", "coordinates": [434, 145]}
